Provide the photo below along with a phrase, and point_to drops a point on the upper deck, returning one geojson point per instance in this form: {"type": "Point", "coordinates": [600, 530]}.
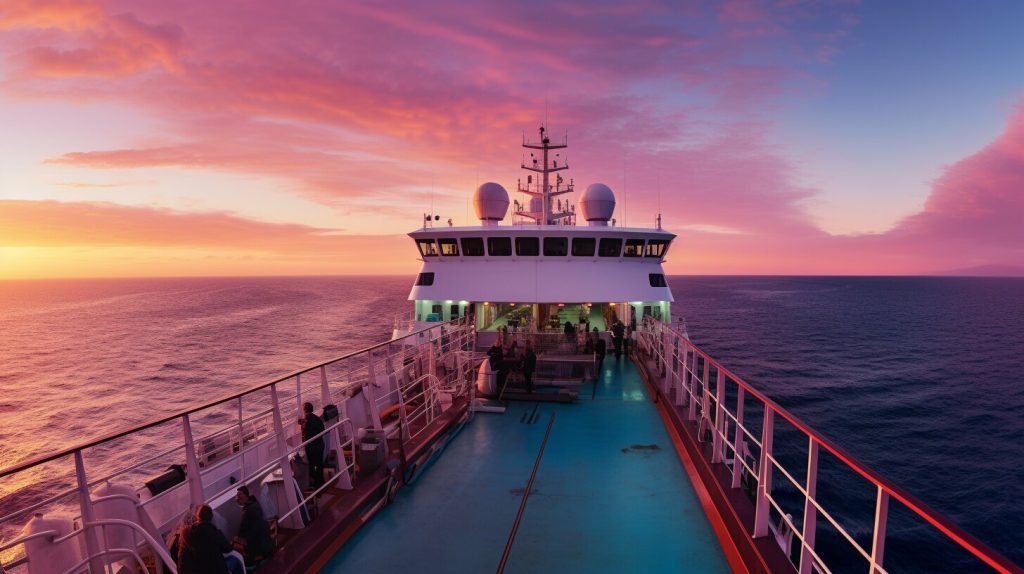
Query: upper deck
{"type": "Point", "coordinates": [609, 494]}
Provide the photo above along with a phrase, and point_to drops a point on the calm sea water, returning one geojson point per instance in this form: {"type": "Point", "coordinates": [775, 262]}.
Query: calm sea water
{"type": "Point", "coordinates": [918, 377]}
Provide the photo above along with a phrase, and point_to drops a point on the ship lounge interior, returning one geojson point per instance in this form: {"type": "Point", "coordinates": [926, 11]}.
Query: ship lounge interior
{"type": "Point", "coordinates": [540, 317]}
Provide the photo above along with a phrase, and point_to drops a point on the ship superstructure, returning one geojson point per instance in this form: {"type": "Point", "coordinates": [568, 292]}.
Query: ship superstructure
{"type": "Point", "coordinates": [543, 269]}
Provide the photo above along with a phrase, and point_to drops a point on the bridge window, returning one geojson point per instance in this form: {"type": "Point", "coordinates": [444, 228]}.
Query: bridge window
{"type": "Point", "coordinates": [583, 246]}
{"type": "Point", "coordinates": [499, 246]}
{"type": "Point", "coordinates": [609, 247]}
{"type": "Point", "coordinates": [656, 247]}
{"type": "Point", "coordinates": [473, 246]}
{"type": "Point", "coordinates": [527, 246]}
{"type": "Point", "coordinates": [634, 248]}
{"type": "Point", "coordinates": [425, 279]}
{"type": "Point", "coordinates": [657, 280]}
{"type": "Point", "coordinates": [427, 247]}
{"type": "Point", "coordinates": [556, 246]}
{"type": "Point", "coordinates": [449, 247]}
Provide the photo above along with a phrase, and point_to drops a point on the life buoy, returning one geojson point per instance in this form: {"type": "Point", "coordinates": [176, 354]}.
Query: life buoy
{"type": "Point", "coordinates": [389, 411]}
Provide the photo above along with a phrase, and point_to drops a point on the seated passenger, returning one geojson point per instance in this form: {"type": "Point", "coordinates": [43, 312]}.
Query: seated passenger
{"type": "Point", "coordinates": [253, 540]}
{"type": "Point", "coordinates": [202, 546]}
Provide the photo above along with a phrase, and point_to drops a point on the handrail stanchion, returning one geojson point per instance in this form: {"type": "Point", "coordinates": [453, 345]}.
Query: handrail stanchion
{"type": "Point", "coordinates": [282, 448]}
{"type": "Point", "coordinates": [194, 476]}
{"type": "Point", "coordinates": [371, 395]}
{"type": "Point", "coordinates": [716, 440]}
{"type": "Point", "coordinates": [691, 413]}
{"type": "Point", "coordinates": [705, 392]}
{"type": "Point", "coordinates": [738, 441]}
{"type": "Point", "coordinates": [810, 511]}
{"type": "Point", "coordinates": [878, 541]}
{"type": "Point", "coordinates": [92, 545]}
{"type": "Point", "coordinates": [680, 365]}
{"type": "Point", "coordinates": [241, 436]}
{"type": "Point", "coordinates": [764, 476]}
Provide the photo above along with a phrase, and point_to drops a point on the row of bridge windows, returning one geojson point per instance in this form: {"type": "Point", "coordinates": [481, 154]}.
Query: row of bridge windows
{"type": "Point", "coordinates": [549, 247]}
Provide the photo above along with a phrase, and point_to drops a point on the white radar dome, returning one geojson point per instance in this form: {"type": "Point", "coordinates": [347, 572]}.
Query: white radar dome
{"type": "Point", "coordinates": [597, 204]}
{"type": "Point", "coordinates": [490, 201]}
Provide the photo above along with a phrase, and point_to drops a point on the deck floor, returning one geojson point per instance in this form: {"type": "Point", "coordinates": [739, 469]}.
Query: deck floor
{"type": "Point", "coordinates": [610, 495]}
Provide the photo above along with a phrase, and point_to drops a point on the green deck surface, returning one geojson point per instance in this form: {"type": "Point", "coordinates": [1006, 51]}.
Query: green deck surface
{"type": "Point", "coordinates": [610, 495]}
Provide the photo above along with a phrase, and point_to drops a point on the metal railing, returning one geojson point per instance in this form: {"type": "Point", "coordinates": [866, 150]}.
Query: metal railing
{"type": "Point", "coordinates": [219, 457]}
{"type": "Point", "coordinates": [684, 375]}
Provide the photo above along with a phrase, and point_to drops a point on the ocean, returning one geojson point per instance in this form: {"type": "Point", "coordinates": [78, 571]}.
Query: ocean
{"type": "Point", "coordinates": [920, 378]}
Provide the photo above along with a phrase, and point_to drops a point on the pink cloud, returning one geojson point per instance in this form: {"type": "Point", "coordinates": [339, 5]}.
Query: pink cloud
{"type": "Point", "coordinates": [366, 100]}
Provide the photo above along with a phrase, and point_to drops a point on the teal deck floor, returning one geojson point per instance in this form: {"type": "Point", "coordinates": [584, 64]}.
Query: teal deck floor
{"type": "Point", "coordinates": [610, 495]}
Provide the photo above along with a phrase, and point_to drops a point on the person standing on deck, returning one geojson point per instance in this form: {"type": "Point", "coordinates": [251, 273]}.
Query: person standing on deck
{"type": "Point", "coordinates": [618, 331]}
{"type": "Point", "coordinates": [312, 426]}
{"type": "Point", "coordinates": [529, 365]}
{"type": "Point", "coordinates": [600, 347]}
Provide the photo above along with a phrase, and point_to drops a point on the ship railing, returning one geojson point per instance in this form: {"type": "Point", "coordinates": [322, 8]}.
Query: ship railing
{"type": "Point", "coordinates": [702, 390]}
{"type": "Point", "coordinates": [213, 454]}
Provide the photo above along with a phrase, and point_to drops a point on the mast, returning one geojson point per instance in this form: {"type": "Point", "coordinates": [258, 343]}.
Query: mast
{"type": "Point", "coordinates": [545, 165]}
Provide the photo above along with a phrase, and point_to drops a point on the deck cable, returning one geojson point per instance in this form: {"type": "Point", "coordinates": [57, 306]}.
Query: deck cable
{"type": "Point", "coordinates": [526, 495]}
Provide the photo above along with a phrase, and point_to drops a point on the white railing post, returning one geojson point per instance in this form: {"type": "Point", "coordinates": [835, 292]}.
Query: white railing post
{"type": "Point", "coordinates": [705, 390]}
{"type": "Point", "coordinates": [764, 476]}
{"type": "Point", "coordinates": [241, 426]}
{"type": "Point", "coordinates": [92, 545]}
{"type": "Point", "coordinates": [333, 439]}
{"type": "Point", "coordinates": [716, 439]}
{"type": "Point", "coordinates": [878, 542]}
{"type": "Point", "coordinates": [370, 395]}
{"type": "Point", "coordinates": [810, 511]}
{"type": "Point", "coordinates": [666, 351]}
{"type": "Point", "coordinates": [738, 441]}
{"type": "Point", "coordinates": [241, 437]}
{"type": "Point", "coordinates": [680, 382]}
{"type": "Point", "coordinates": [194, 476]}
{"type": "Point", "coordinates": [691, 413]}
{"type": "Point", "coordinates": [291, 497]}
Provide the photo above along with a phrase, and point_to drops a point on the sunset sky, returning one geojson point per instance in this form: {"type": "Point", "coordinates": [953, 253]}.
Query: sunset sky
{"type": "Point", "coordinates": [191, 137]}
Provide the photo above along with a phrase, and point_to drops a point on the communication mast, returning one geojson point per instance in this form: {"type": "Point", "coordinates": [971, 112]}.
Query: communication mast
{"type": "Point", "coordinates": [541, 192]}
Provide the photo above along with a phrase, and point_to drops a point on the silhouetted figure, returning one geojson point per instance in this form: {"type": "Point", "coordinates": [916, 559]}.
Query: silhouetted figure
{"type": "Point", "coordinates": [570, 331]}
{"type": "Point", "coordinates": [618, 332]}
{"type": "Point", "coordinates": [202, 546]}
{"type": "Point", "coordinates": [600, 347]}
{"type": "Point", "coordinates": [529, 366]}
{"type": "Point", "coordinates": [253, 538]}
{"type": "Point", "coordinates": [496, 358]}
{"type": "Point", "coordinates": [313, 425]}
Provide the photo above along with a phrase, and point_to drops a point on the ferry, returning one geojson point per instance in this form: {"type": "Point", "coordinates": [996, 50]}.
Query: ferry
{"type": "Point", "coordinates": [614, 445]}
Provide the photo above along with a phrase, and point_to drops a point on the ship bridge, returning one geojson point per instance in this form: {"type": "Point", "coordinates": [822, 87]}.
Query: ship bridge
{"type": "Point", "coordinates": [543, 270]}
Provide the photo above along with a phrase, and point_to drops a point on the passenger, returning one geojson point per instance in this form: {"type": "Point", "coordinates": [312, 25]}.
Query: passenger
{"type": "Point", "coordinates": [495, 356]}
{"type": "Point", "coordinates": [618, 331]}
{"type": "Point", "coordinates": [202, 546]}
{"type": "Point", "coordinates": [313, 425]}
{"type": "Point", "coordinates": [588, 345]}
{"type": "Point", "coordinates": [253, 540]}
{"type": "Point", "coordinates": [529, 365]}
{"type": "Point", "coordinates": [600, 347]}
{"type": "Point", "coordinates": [570, 331]}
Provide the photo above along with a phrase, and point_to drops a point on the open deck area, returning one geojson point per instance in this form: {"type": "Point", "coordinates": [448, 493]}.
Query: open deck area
{"type": "Point", "coordinates": [610, 495]}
